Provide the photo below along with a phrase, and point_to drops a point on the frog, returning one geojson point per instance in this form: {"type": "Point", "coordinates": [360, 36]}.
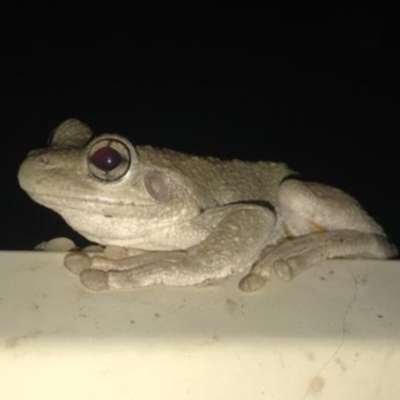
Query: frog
{"type": "Point", "coordinates": [168, 218]}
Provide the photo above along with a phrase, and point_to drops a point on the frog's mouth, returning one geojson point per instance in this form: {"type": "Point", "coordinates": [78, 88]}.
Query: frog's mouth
{"type": "Point", "coordinates": [87, 203]}
{"type": "Point", "coordinates": [105, 209]}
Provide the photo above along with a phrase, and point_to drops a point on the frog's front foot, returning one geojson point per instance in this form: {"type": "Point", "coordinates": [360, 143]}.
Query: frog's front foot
{"type": "Point", "coordinates": [86, 267]}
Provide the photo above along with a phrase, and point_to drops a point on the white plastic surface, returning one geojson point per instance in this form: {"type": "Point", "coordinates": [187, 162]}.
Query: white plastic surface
{"type": "Point", "coordinates": [332, 333]}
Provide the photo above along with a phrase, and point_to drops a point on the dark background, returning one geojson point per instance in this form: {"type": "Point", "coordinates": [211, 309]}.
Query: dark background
{"type": "Point", "coordinates": [318, 89]}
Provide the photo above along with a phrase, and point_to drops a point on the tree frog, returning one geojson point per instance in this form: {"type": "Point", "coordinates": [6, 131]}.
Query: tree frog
{"type": "Point", "coordinates": [182, 220]}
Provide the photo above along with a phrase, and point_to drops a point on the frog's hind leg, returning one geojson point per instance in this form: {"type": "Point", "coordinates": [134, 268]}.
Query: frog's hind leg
{"type": "Point", "coordinates": [296, 255]}
{"type": "Point", "coordinates": [322, 223]}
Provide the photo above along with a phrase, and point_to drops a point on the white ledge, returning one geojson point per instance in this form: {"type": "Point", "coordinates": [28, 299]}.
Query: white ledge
{"type": "Point", "coordinates": [332, 333]}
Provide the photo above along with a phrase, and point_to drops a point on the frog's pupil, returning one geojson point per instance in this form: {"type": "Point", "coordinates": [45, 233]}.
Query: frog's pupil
{"type": "Point", "coordinates": [106, 158]}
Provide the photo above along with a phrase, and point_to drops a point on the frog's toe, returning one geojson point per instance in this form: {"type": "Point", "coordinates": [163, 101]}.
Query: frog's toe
{"type": "Point", "coordinates": [94, 279]}
{"type": "Point", "coordinates": [57, 244]}
{"type": "Point", "coordinates": [77, 262]}
{"type": "Point", "coordinates": [252, 283]}
{"type": "Point", "coordinates": [284, 270]}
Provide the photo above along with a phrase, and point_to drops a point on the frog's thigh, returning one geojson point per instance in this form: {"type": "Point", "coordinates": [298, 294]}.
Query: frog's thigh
{"type": "Point", "coordinates": [313, 207]}
{"type": "Point", "coordinates": [232, 246]}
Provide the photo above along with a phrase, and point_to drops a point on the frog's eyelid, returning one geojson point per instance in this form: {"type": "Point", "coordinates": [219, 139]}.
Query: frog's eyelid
{"type": "Point", "coordinates": [71, 133]}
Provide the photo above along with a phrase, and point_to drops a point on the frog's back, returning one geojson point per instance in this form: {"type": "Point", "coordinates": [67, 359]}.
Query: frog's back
{"type": "Point", "coordinates": [236, 181]}
{"type": "Point", "coordinates": [219, 182]}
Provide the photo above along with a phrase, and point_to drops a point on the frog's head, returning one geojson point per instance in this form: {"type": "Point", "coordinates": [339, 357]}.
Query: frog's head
{"type": "Point", "coordinates": [103, 189]}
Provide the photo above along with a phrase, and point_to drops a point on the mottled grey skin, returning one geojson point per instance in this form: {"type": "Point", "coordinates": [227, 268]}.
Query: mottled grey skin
{"type": "Point", "coordinates": [184, 220]}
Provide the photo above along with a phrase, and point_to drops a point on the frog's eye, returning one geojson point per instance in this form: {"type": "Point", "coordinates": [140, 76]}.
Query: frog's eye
{"type": "Point", "coordinates": [109, 159]}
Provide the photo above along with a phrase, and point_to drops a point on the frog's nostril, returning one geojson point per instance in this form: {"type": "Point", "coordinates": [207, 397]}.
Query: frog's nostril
{"type": "Point", "coordinates": [43, 160]}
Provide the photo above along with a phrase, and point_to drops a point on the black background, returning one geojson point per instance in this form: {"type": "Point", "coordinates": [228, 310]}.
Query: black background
{"type": "Point", "coordinates": [318, 89]}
